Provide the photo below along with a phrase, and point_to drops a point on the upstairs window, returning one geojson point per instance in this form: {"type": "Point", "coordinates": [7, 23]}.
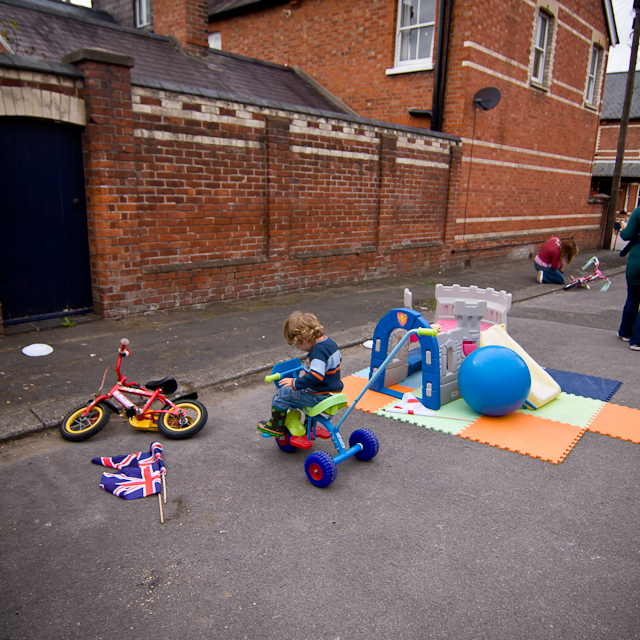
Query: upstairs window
{"type": "Point", "coordinates": [414, 35]}
{"type": "Point", "coordinates": [142, 10]}
{"type": "Point", "coordinates": [539, 73]}
{"type": "Point", "coordinates": [592, 75]}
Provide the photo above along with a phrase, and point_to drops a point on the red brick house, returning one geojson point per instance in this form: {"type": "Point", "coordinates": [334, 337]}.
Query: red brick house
{"type": "Point", "coordinates": [607, 146]}
{"type": "Point", "coordinates": [143, 172]}
{"type": "Point", "coordinates": [527, 162]}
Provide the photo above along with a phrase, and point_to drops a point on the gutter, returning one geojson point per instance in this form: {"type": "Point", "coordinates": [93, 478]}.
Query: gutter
{"type": "Point", "coordinates": [442, 59]}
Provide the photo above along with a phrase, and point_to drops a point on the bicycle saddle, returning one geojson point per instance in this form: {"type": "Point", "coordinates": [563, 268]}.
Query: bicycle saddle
{"type": "Point", "coordinates": [166, 385]}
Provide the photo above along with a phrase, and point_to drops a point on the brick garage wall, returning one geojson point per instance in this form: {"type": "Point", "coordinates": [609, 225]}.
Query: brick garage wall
{"type": "Point", "coordinates": [193, 199]}
{"type": "Point", "coordinates": [235, 201]}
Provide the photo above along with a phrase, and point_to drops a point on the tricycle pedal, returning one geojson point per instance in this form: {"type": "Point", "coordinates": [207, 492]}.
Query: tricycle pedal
{"type": "Point", "coordinates": [301, 442]}
{"type": "Point", "coordinates": [321, 432]}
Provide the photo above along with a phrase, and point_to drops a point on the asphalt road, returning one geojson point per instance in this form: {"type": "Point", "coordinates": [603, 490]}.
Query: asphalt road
{"type": "Point", "coordinates": [437, 537]}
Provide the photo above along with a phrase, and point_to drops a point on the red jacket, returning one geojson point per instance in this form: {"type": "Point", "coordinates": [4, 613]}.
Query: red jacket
{"type": "Point", "coordinates": [549, 255]}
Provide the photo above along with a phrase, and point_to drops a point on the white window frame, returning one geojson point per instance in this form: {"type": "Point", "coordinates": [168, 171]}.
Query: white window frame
{"type": "Point", "coordinates": [215, 40]}
{"type": "Point", "coordinates": [541, 48]}
{"type": "Point", "coordinates": [142, 13]}
{"type": "Point", "coordinates": [593, 75]}
{"type": "Point", "coordinates": [402, 30]}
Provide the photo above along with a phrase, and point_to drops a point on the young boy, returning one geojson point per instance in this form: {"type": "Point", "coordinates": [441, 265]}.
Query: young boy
{"type": "Point", "coordinates": [321, 375]}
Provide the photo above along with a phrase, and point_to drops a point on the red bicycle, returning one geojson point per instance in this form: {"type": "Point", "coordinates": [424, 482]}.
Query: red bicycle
{"type": "Point", "coordinates": [584, 281]}
{"type": "Point", "coordinates": [177, 419]}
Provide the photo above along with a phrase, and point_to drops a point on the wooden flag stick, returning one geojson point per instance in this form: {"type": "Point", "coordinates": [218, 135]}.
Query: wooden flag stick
{"type": "Point", "coordinates": [161, 512]}
{"type": "Point", "coordinates": [164, 487]}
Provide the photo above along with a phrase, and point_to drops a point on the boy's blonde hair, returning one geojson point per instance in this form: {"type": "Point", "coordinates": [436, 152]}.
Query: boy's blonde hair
{"type": "Point", "coordinates": [300, 327]}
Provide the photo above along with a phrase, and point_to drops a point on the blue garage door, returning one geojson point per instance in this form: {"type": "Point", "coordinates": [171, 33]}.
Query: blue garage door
{"type": "Point", "coordinates": [44, 247]}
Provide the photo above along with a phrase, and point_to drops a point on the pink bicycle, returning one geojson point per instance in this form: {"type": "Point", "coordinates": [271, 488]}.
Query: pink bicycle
{"type": "Point", "coordinates": [177, 419]}
{"type": "Point", "coordinates": [585, 281]}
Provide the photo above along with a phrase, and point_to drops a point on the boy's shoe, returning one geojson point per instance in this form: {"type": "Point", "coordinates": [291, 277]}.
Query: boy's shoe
{"type": "Point", "coordinates": [274, 426]}
{"type": "Point", "coordinates": [624, 338]}
{"type": "Point", "coordinates": [540, 276]}
{"type": "Point", "coordinates": [634, 347]}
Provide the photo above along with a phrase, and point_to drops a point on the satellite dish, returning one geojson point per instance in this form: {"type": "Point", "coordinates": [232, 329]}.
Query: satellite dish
{"type": "Point", "coordinates": [487, 98]}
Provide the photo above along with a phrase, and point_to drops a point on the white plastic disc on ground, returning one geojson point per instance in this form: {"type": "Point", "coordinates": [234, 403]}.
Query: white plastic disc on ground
{"type": "Point", "coordinates": [37, 350]}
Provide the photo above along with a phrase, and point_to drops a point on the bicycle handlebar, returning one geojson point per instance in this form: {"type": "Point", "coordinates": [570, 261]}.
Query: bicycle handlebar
{"type": "Point", "coordinates": [123, 351]}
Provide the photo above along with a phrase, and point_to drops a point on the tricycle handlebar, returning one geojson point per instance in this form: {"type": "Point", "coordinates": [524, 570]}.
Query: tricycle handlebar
{"type": "Point", "coordinates": [273, 377]}
{"type": "Point", "coordinates": [423, 331]}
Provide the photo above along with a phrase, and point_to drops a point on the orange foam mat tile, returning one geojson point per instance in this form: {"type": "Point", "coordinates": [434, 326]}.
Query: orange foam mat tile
{"type": "Point", "coordinates": [618, 422]}
{"type": "Point", "coordinates": [371, 401]}
{"type": "Point", "coordinates": [536, 437]}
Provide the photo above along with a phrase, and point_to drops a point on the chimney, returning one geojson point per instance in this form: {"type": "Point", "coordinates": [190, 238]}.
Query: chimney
{"type": "Point", "coordinates": [186, 20]}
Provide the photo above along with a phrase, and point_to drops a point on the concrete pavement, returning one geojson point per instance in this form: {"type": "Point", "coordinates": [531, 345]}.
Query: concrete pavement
{"type": "Point", "coordinates": [219, 344]}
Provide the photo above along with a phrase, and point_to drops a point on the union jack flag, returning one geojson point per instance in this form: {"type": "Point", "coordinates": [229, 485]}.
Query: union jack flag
{"type": "Point", "coordinates": [136, 482]}
{"type": "Point", "coordinates": [140, 459]}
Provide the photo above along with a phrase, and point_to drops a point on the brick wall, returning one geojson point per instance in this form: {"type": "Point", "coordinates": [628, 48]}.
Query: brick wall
{"type": "Point", "coordinates": [235, 201]}
{"type": "Point", "coordinates": [192, 199]}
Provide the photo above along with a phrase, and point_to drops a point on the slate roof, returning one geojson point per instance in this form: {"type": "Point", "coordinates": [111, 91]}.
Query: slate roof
{"type": "Point", "coordinates": [615, 88]}
{"type": "Point", "coordinates": [605, 169]}
{"type": "Point", "coordinates": [49, 29]}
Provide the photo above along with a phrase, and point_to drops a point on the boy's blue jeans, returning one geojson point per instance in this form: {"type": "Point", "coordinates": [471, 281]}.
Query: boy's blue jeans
{"type": "Point", "coordinates": [286, 397]}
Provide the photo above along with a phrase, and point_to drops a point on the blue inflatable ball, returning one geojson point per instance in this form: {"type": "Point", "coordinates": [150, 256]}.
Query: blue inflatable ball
{"type": "Point", "coordinates": [494, 381]}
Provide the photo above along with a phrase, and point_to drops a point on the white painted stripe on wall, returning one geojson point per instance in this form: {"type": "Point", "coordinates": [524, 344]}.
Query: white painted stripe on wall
{"type": "Point", "coordinates": [334, 153]}
{"type": "Point", "coordinates": [423, 145]}
{"type": "Point", "coordinates": [329, 133]}
{"type": "Point", "coordinates": [594, 216]}
{"type": "Point", "coordinates": [183, 137]}
{"type": "Point", "coordinates": [530, 167]}
{"type": "Point", "coordinates": [537, 154]}
{"type": "Point", "coordinates": [474, 45]}
{"type": "Point", "coordinates": [422, 163]}
{"type": "Point", "coordinates": [501, 235]}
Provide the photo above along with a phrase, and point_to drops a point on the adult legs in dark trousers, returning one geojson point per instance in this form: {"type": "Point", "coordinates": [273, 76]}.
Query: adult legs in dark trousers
{"type": "Point", "coordinates": [630, 324]}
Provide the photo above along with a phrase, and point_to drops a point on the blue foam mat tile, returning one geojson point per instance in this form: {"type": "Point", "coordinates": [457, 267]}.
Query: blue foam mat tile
{"type": "Point", "coordinates": [579, 384]}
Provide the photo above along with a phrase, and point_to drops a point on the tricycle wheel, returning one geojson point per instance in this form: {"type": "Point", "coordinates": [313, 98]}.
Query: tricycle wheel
{"type": "Point", "coordinates": [369, 442]}
{"type": "Point", "coordinates": [283, 442]}
{"type": "Point", "coordinates": [181, 427]}
{"type": "Point", "coordinates": [75, 427]}
{"type": "Point", "coordinates": [321, 469]}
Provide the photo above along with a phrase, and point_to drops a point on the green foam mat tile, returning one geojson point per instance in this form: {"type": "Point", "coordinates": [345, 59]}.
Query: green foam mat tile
{"type": "Point", "coordinates": [453, 418]}
{"type": "Point", "coordinates": [568, 409]}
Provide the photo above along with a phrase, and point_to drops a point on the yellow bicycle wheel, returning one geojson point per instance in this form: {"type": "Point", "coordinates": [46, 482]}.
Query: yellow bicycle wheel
{"type": "Point", "coordinates": [193, 416]}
